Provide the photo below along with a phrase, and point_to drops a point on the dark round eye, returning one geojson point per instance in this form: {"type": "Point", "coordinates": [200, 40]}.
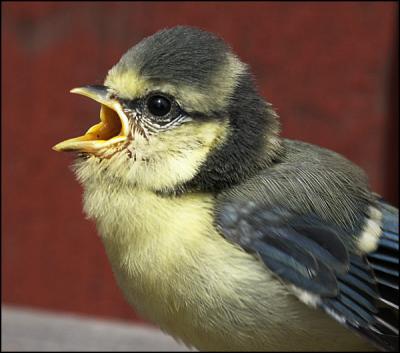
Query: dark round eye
{"type": "Point", "coordinates": [159, 105]}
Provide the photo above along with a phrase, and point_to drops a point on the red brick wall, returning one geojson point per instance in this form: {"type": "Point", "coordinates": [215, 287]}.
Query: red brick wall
{"type": "Point", "coordinates": [327, 68]}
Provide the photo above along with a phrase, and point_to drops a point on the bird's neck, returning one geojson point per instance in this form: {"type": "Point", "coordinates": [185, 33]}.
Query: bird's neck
{"type": "Point", "coordinates": [240, 158]}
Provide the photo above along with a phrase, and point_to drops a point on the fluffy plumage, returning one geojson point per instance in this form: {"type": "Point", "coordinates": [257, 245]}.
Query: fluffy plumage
{"type": "Point", "coordinates": [221, 232]}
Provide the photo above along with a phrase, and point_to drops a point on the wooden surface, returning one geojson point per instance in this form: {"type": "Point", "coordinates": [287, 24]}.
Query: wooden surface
{"type": "Point", "coordinates": [33, 330]}
{"type": "Point", "coordinates": [326, 67]}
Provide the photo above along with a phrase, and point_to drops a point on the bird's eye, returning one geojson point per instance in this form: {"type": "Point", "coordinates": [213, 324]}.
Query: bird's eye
{"type": "Point", "coordinates": [159, 105]}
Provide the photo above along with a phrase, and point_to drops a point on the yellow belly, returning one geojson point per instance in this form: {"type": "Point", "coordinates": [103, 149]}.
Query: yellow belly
{"type": "Point", "coordinates": [178, 272]}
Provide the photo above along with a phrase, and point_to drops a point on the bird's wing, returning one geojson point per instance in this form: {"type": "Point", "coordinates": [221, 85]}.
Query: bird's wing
{"type": "Point", "coordinates": [308, 253]}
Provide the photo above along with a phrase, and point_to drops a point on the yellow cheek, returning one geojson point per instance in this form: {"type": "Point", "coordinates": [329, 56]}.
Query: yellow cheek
{"type": "Point", "coordinates": [176, 156]}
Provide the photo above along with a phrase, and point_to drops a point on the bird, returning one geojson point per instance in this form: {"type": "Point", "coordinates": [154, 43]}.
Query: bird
{"type": "Point", "coordinates": [218, 230]}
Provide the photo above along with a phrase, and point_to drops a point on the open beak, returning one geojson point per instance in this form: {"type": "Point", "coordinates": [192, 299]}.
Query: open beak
{"type": "Point", "coordinates": [113, 127]}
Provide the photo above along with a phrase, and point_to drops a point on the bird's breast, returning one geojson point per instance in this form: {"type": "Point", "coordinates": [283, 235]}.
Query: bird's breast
{"type": "Point", "coordinates": [178, 272]}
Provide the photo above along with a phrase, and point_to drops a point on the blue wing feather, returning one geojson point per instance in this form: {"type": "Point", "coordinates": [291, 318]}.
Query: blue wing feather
{"type": "Point", "coordinates": [361, 291]}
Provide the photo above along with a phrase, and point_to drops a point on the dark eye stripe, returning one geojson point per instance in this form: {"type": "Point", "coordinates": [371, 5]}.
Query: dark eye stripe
{"type": "Point", "coordinates": [141, 110]}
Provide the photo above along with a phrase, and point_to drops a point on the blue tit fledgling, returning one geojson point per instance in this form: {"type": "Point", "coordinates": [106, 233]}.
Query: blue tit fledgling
{"type": "Point", "coordinates": [224, 234]}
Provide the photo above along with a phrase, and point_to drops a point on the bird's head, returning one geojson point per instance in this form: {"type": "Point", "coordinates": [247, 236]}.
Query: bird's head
{"type": "Point", "coordinates": [179, 110]}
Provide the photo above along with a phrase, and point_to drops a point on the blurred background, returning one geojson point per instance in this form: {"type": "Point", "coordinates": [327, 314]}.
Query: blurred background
{"type": "Point", "coordinates": [330, 70]}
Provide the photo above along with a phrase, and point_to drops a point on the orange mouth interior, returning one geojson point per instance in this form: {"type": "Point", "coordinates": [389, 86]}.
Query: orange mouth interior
{"type": "Point", "coordinates": [107, 132]}
{"type": "Point", "coordinates": [110, 126]}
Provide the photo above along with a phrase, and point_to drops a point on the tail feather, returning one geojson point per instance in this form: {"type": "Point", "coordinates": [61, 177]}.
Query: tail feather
{"type": "Point", "coordinates": [385, 261]}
